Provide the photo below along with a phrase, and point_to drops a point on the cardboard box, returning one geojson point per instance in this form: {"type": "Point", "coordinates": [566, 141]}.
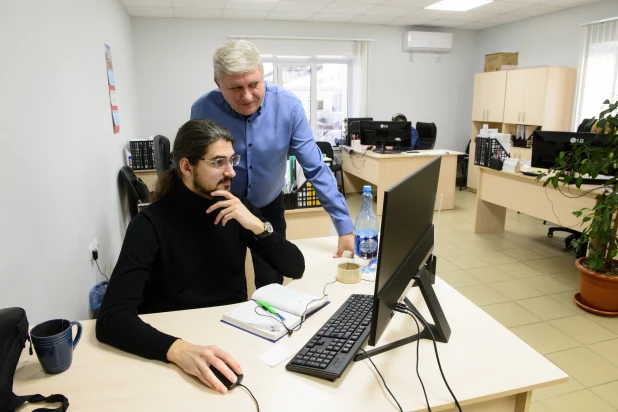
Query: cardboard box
{"type": "Point", "coordinates": [499, 61]}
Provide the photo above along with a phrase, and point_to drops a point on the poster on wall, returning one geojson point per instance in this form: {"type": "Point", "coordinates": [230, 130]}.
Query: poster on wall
{"type": "Point", "coordinates": [111, 84]}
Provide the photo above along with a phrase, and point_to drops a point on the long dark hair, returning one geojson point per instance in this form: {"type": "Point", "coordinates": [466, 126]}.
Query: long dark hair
{"type": "Point", "coordinates": [192, 142]}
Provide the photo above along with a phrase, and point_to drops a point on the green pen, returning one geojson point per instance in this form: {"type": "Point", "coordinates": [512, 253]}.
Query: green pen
{"type": "Point", "coordinates": [270, 309]}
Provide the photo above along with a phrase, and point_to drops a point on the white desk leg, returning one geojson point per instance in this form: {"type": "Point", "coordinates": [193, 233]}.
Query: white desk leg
{"type": "Point", "coordinates": [380, 190]}
{"type": "Point", "coordinates": [489, 217]}
{"type": "Point", "coordinates": [522, 404]}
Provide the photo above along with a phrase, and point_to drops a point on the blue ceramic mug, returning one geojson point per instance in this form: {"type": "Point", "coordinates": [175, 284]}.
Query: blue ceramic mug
{"type": "Point", "coordinates": [54, 344]}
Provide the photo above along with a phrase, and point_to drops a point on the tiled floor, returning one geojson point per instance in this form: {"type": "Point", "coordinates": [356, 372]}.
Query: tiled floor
{"type": "Point", "coordinates": [526, 281]}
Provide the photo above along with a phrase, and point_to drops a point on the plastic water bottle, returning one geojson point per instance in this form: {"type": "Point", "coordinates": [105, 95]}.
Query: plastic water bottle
{"type": "Point", "coordinates": [366, 234]}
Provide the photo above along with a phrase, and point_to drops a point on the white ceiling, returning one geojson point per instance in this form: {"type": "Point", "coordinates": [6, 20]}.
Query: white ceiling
{"type": "Point", "coordinates": [390, 12]}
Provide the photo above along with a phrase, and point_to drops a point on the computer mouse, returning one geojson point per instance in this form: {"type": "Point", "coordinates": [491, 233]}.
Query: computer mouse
{"type": "Point", "coordinates": [225, 381]}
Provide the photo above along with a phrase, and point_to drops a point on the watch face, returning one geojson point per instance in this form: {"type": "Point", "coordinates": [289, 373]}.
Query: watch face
{"type": "Point", "coordinates": [269, 227]}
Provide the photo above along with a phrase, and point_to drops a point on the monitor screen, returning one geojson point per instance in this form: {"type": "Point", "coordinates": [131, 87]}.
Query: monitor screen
{"type": "Point", "coordinates": [405, 243]}
{"type": "Point", "coordinates": [392, 133]}
{"type": "Point", "coordinates": [353, 128]}
{"type": "Point", "coordinates": [546, 146]}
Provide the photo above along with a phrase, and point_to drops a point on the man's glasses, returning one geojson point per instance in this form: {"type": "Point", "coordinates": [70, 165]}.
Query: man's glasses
{"type": "Point", "coordinates": [222, 162]}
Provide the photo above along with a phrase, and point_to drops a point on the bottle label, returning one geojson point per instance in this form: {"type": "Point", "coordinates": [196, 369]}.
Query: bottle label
{"type": "Point", "coordinates": [366, 247]}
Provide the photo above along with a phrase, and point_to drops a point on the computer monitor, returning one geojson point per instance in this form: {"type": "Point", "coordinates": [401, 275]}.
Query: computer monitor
{"type": "Point", "coordinates": [386, 133]}
{"type": "Point", "coordinates": [405, 254]}
{"type": "Point", "coordinates": [546, 145]}
{"type": "Point", "coordinates": [353, 127]}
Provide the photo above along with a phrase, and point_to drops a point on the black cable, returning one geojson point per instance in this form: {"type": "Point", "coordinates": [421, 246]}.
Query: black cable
{"type": "Point", "coordinates": [257, 405]}
{"type": "Point", "coordinates": [568, 197]}
{"type": "Point", "coordinates": [302, 318]}
{"type": "Point", "coordinates": [97, 263]}
{"type": "Point", "coordinates": [405, 309]}
{"type": "Point", "coordinates": [418, 344]}
{"type": "Point", "coordinates": [383, 381]}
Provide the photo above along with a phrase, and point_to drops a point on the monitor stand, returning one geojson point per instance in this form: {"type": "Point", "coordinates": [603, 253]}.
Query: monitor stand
{"type": "Point", "coordinates": [380, 146]}
{"type": "Point", "coordinates": [441, 329]}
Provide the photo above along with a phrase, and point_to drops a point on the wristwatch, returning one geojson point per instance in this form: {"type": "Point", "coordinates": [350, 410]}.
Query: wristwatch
{"type": "Point", "coordinates": [268, 230]}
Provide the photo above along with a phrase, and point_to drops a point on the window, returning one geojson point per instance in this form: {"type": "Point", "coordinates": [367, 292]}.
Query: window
{"type": "Point", "coordinates": [598, 75]}
{"type": "Point", "coordinates": [321, 86]}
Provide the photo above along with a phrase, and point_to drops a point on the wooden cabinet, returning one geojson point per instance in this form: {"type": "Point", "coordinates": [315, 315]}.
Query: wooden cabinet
{"type": "Point", "coordinates": [534, 97]}
{"type": "Point", "coordinates": [526, 92]}
{"type": "Point", "coordinates": [489, 91]}
{"type": "Point", "coordinates": [514, 100]}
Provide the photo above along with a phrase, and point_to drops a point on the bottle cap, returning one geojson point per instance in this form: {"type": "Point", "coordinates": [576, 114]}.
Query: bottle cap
{"type": "Point", "coordinates": [366, 189]}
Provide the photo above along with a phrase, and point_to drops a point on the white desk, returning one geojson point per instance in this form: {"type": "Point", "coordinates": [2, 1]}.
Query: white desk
{"type": "Point", "coordinates": [384, 170]}
{"type": "Point", "coordinates": [488, 367]}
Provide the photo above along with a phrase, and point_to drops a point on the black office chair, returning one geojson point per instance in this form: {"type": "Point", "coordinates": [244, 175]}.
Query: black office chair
{"type": "Point", "coordinates": [162, 157]}
{"type": "Point", "coordinates": [427, 133]}
{"type": "Point", "coordinates": [327, 149]}
{"type": "Point", "coordinates": [574, 235]}
{"type": "Point", "coordinates": [583, 126]}
{"type": "Point", "coordinates": [135, 190]}
{"type": "Point", "coordinates": [462, 162]}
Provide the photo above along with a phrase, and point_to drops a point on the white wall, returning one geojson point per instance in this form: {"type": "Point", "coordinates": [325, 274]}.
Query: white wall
{"type": "Point", "coordinates": [550, 40]}
{"type": "Point", "coordinates": [174, 63]}
{"type": "Point", "coordinates": [60, 157]}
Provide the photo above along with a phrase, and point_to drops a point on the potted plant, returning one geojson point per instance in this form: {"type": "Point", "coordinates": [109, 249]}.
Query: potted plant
{"type": "Point", "coordinates": [598, 271]}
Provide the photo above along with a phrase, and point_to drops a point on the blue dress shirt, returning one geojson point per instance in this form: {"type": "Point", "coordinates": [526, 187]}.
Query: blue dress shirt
{"type": "Point", "coordinates": [263, 140]}
{"type": "Point", "coordinates": [415, 142]}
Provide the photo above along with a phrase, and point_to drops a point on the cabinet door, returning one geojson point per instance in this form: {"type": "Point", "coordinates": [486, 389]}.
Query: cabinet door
{"type": "Point", "coordinates": [497, 92]}
{"type": "Point", "coordinates": [479, 104]}
{"type": "Point", "coordinates": [514, 100]}
{"type": "Point", "coordinates": [534, 96]}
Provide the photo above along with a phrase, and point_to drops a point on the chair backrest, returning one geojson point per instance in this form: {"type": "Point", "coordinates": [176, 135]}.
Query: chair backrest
{"type": "Point", "coordinates": [583, 127]}
{"type": "Point", "coordinates": [326, 149]}
{"type": "Point", "coordinates": [427, 133]}
{"type": "Point", "coordinates": [136, 190]}
{"type": "Point", "coordinates": [161, 153]}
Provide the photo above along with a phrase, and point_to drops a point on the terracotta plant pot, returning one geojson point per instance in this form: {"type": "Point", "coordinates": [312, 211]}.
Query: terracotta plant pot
{"type": "Point", "coordinates": [598, 292]}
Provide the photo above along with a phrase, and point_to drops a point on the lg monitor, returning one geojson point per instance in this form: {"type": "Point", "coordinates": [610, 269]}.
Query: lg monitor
{"type": "Point", "coordinates": [546, 146]}
{"type": "Point", "coordinates": [405, 255]}
{"type": "Point", "coordinates": [398, 134]}
{"type": "Point", "coordinates": [353, 127]}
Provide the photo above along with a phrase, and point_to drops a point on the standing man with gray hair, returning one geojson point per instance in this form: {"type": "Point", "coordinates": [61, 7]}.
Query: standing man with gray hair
{"type": "Point", "coordinates": [267, 121]}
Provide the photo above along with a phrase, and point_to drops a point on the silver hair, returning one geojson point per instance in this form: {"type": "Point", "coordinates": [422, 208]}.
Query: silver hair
{"type": "Point", "coordinates": [236, 57]}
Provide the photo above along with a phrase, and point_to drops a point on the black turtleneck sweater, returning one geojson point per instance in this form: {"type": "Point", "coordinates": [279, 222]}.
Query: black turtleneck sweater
{"type": "Point", "coordinates": [174, 257]}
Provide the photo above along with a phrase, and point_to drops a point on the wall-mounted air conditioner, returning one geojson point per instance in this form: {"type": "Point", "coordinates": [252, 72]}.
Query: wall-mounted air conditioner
{"type": "Point", "coordinates": [423, 41]}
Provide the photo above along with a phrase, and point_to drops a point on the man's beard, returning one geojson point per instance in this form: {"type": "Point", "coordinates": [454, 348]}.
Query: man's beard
{"type": "Point", "coordinates": [206, 191]}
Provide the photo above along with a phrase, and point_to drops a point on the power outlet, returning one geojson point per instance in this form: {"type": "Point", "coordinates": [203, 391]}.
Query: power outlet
{"type": "Point", "coordinates": [94, 246]}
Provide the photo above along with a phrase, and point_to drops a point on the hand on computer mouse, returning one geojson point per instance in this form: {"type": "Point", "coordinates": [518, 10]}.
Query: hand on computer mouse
{"type": "Point", "coordinates": [196, 361]}
{"type": "Point", "coordinates": [224, 380]}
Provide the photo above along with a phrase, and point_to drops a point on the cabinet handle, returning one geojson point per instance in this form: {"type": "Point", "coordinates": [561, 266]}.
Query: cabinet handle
{"type": "Point", "coordinates": [524, 119]}
{"type": "Point", "coordinates": [487, 114]}
{"type": "Point", "coordinates": [518, 116]}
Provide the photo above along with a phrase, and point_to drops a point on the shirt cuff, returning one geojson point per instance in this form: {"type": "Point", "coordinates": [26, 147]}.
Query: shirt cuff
{"type": "Point", "coordinates": [344, 227]}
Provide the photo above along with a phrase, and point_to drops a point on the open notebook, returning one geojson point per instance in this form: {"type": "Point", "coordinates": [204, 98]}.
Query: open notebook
{"type": "Point", "coordinates": [251, 317]}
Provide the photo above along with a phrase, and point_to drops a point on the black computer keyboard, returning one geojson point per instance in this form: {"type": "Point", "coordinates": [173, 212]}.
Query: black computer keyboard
{"type": "Point", "coordinates": [329, 352]}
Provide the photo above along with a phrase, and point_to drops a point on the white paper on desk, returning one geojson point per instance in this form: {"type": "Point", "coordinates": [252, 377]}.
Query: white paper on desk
{"type": "Point", "coordinates": [276, 354]}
